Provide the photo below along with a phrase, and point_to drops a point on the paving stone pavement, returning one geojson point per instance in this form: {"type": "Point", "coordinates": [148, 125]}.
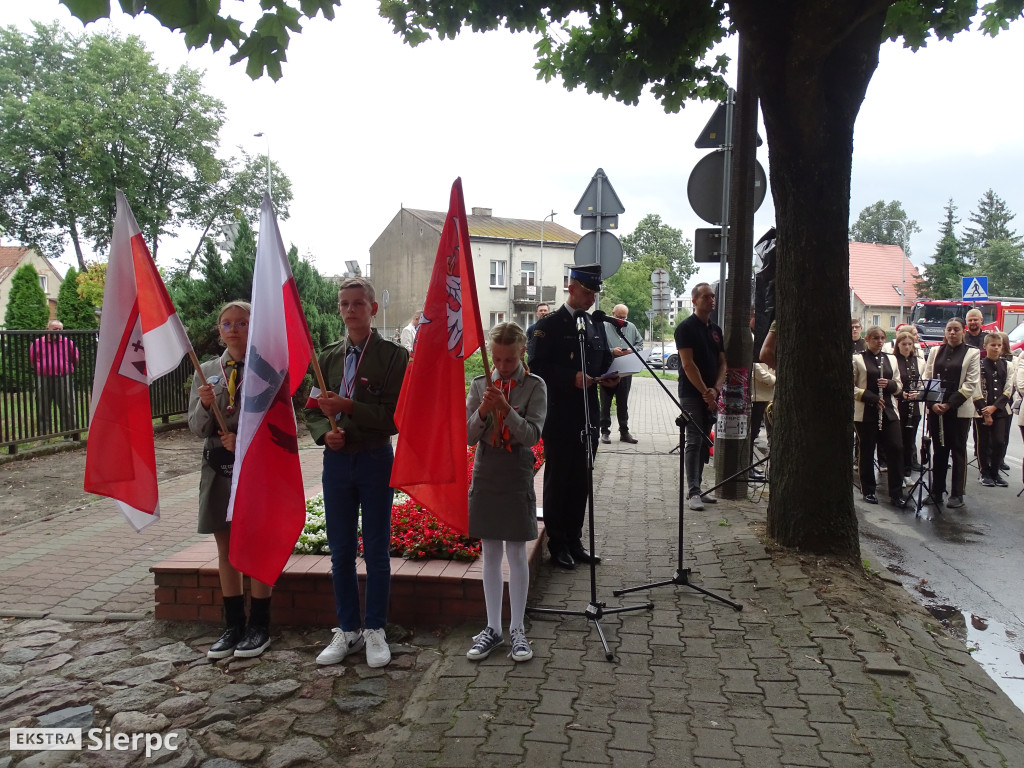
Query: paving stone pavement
{"type": "Point", "coordinates": [825, 665]}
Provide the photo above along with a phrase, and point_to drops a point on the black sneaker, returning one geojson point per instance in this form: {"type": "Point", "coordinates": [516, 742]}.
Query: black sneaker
{"type": "Point", "coordinates": [255, 642]}
{"type": "Point", "coordinates": [988, 482]}
{"type": "Point", "coordinates": [998, 480]}
{"type": "Point", "coordinates": [484, 643]}
{"type": "Point", "coordinates": [226, 643]}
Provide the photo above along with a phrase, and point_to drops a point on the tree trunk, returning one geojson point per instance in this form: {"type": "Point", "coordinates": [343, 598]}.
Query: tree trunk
{"type": "Point", "coordinates": [77, 242]}
{"type": "Point", "coordinates": [813, 62]}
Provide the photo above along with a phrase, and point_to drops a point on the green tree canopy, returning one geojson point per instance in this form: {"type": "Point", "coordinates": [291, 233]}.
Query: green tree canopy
{"type": "Point", "coordinates": [27, 309]}
{"type": "Point", "coordinates": [75, 312]}
{"type": "Point", "coordinates": [238, 195]}
{"type": "Point", "coordinates": [942, 276]}
{"type": "Point", "coordinates": [991, 223]}
{"type": "Point", "coordinates": [877, 224]}
{"type": "Point", "coordinates": [631, 285]}
{"type": "Point", "coordinates": [92, 282]}
{"type": "Point", "coordinates": [1003, 262]}
{"type": "Point", "coordinates": [82, 116]}
{"type": "Point", "coordinates": [199, 299]}
{"type": "Point", "coordinates": [652, 237]}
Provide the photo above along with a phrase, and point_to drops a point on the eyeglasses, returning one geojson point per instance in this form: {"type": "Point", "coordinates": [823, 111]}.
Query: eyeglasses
{"type": "Point", "coordinates": [241, 325]}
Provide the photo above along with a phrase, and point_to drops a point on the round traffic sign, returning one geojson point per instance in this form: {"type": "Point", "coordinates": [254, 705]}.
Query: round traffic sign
{"type": "Point", "coordinates": [704, 187]}
{"type": "Point", "coordinates": [610, 257]}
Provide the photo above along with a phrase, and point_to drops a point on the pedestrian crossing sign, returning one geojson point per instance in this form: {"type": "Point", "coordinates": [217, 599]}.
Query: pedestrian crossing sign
{"type": "Point", "coordinates": [975, 288]}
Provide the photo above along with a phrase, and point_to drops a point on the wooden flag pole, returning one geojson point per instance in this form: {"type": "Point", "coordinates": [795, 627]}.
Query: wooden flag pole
{"type": "Point", "coordinates": [216, 410]}
{"type": "Point", "coordinates": [320, 382]}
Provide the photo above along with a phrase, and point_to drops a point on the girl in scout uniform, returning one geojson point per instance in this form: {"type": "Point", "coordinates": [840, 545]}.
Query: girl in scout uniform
{"type": "Point", "coordinates": [224, 380]}
{"type": "Point", "coordinates": [504, 418]}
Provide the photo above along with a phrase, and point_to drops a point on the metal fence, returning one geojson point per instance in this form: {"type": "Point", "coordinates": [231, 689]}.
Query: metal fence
{"type": "Point", "coordinates": [41, 397]}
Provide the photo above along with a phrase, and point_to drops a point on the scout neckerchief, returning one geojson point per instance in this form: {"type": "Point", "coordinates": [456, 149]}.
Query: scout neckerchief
{"type": "Point", "coordinates": [500, 437]}
{"type": "Point", "coordinates": [233, 379]}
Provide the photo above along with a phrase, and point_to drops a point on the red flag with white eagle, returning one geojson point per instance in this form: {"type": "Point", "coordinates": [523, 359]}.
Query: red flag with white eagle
{"type": "Point", "coordinates": [430, 459]}
{"type": "Point", "coordinates": [141, 339]}
{"type": "Point", "coordinates": [267, 509]}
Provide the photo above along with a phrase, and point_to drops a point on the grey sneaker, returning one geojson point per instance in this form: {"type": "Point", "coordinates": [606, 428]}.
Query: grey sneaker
{"type": "Point", "coordinates": [342, 644]}
{"type": "Point", "coordinates": [521, 650]}
{"type": "Point", "coordinates": [695, 502]}
{"type": "Point", "coordinates": [378, 654]}
{"type": "Point", "coordinates": [955, 502]}
{"type": "Point", "coordinates": [484, 643]}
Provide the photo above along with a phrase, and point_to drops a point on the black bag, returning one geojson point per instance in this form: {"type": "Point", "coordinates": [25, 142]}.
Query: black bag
{"type": "Point", "coordinates": [220, 459]}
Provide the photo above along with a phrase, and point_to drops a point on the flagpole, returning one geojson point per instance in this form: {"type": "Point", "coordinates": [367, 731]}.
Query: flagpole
{"type": "Point", "coordinates": [320, 382]}
{"type": "Point", "coordinates": [216, 409]}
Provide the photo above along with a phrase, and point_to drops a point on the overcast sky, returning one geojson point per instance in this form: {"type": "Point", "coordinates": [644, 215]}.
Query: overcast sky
{"type": "Point", "coordinates": [363, 124]}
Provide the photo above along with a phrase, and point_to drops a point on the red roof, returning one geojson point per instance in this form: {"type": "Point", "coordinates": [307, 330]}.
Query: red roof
{"type": "Point", "coordinates": [874, 270]}
{"type": "Point", "coordinates": [10, 258]}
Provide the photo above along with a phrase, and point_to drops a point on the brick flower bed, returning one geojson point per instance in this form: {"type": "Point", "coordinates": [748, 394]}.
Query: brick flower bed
{"type": "Point", "coordinates": [424, 593]}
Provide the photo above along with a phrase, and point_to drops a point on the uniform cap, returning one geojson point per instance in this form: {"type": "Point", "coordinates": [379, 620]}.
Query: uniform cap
{"type": "Point", "coordinates": [588, 275]}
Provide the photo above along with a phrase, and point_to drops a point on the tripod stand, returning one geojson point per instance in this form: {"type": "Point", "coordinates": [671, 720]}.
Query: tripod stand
{"type": "Point", "coordinates": [681, 577]}
{"type": "Point", "coordinates": [928, 391]}
{"type": "Point", "coordinates": [595, 610]}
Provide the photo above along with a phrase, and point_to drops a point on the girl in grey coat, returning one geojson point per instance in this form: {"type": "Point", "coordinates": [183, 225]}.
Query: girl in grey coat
{"type": "Point", "coordinates": [504, 420]}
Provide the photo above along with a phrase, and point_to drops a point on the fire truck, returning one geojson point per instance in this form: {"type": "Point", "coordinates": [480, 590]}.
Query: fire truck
{"type": "Point", "coordinates": [999, 313]}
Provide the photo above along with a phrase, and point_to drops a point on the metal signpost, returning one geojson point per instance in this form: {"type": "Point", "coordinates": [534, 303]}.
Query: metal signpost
{"type": "Point", "coordinates": [599, 210]}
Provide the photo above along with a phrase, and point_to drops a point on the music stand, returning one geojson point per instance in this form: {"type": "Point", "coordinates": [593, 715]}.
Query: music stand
{"type": "Point", "coordinates": [595, 609]}
{"type": "Point", "coordinates": [926, 391]}
{"type": "Point", "coordinates": [681, 577]}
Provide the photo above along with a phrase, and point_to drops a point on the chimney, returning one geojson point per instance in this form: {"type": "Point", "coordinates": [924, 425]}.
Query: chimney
{"type": "Point", "coordinates": [481, 212]}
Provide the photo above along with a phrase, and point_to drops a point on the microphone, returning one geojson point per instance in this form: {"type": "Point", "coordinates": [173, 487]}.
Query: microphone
{"type": "Point", "coordinates": [601, 317]}
{"type": "Point", "coordinates": [581, 324]}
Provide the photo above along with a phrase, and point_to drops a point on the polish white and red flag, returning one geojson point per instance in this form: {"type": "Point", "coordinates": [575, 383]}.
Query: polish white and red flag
{"type": "Point", "coordinates": [268, 501]}
{"type": "Point", "coordinates": [141, 339]}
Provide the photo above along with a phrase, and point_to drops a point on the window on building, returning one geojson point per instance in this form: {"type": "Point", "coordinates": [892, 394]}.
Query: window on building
{"type": "Point", "coordinates": [42, 282]}
{"type": "Point", "coordinates": [875, 320]}
{"type": "Point", "coordinates": [528, 273]}
{"type": "Point", "coordinates": [497, 317]}
{"type": "Point", "coordinates": [497, 274]}
{"type": "Point", "coordinates": [892, 321]}
{"type": "Point", "coordinates": [565, 277]}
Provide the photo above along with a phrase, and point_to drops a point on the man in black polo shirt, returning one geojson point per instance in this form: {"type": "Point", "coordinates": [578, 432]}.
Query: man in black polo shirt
{"type": "Point", "coordinates": [702, 373]}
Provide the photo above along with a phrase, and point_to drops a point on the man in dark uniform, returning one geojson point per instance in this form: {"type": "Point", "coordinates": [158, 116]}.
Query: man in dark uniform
{"type": "Point", "coordinates": [556, 359]}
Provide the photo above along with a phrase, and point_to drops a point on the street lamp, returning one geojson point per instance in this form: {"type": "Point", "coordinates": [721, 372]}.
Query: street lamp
{"type": "Point", "coordinates": [903, 262]}
{"type": "Point", "coordinates": [540, 266]}
{"type": "Point", "coordinates": [270, 189]}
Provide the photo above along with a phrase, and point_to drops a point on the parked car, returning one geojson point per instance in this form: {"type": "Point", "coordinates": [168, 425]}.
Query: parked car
{"type": "Point", "coordinates": [664, 356]}
{"type": "Point", "coordinates": [1017, 337]}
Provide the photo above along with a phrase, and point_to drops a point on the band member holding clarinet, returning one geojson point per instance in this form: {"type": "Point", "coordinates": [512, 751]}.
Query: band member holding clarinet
{"type": "Point", "coordinates": [910, 360]}
{"type": "Point", "coordinates": [876, 380]}
{"type": "Point", "coordinates": [957, 365]}
{"type": "Point", "coordinates": [992, 402]}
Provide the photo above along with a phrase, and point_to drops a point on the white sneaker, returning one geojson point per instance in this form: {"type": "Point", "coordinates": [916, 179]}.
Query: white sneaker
{"type": "Point", "coordinates": [377, 652]}
{"type": "Point", "coordinates": [695, 503]}
{"type": "Point", "coordinates": [342, 644]}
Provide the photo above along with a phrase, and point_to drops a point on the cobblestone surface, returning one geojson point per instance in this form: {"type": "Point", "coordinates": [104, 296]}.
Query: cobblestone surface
{"type": "Point", "coordinates": [823, 666]}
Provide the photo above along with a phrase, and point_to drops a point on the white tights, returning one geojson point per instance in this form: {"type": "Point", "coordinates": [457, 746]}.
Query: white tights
{"type": "Point", "coordinates": [518, 581]}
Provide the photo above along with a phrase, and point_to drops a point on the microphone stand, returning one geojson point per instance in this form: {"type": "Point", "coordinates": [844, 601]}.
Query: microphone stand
{"type": "Point", "coordinates": [595, 610]}
{"type": "Point", "coordinates": [681, 577]}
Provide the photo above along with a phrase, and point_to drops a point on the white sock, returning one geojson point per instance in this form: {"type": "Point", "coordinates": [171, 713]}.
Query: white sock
{"type": "Point", "coordinates": [518, 581]}
{"type": "Point", "coordinates": [491, 550]}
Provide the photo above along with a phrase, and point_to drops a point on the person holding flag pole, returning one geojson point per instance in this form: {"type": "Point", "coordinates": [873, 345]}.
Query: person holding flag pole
{"type": "Point", "coordinates": [218, 386]}
{"type": "Point", "coordinates": [352, 414]}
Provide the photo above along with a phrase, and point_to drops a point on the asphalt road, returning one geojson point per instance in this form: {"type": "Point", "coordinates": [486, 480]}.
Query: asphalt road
{"type": "Point", "coordinates": [965, 564]}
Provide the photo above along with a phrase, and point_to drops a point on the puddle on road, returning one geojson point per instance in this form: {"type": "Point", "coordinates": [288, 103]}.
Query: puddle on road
{"type": "Point", "coordinates": [995, 647]}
